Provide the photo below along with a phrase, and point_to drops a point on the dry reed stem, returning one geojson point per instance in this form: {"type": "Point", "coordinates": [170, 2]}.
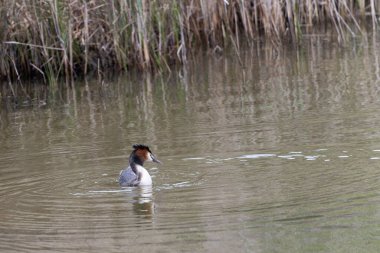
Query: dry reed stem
{"type": "Point", "coordinates": [67, 37]}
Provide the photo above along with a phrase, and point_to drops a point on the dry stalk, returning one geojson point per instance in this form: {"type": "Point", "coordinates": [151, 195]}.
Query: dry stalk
{"type": "Point", "coordinates": [55, 38]}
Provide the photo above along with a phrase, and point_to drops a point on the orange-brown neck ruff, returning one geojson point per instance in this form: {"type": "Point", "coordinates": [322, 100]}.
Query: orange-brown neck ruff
{"type": "Point", "coordinates": [142, 154]}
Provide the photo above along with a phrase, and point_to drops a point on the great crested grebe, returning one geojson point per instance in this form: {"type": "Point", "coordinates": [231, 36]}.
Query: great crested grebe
{"type": "Point", "coordinates": [136, 174]}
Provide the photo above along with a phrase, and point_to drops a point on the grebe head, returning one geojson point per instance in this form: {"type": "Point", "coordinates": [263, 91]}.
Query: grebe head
{"type": "Point", "coordinates": [142, 153]}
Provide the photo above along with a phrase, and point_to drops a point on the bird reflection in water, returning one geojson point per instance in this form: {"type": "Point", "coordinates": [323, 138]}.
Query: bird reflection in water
{"type": "Point", "coordinates": [143, 201]}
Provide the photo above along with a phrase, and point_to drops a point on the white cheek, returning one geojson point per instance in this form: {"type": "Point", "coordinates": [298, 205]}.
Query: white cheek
{"type": "Point", "coordinates": [150, 159]}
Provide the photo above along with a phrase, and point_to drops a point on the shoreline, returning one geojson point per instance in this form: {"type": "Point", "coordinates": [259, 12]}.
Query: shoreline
{"type": "Point", "coordinates": [55, 39]}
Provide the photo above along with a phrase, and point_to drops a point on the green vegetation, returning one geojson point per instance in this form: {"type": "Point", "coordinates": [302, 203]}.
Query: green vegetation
{"type": "Point", "coordinates": [52, 38]}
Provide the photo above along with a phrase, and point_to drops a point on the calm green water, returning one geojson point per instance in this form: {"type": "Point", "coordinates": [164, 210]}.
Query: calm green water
{"type": "Point", "coordinates": [281, 154]}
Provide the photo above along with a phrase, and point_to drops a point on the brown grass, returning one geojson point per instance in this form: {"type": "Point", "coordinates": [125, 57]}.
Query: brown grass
{"type": "Point", "coordinates": [53, 38]}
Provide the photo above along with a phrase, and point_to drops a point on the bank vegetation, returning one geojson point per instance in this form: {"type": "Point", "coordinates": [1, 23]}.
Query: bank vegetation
{"type": "Point", "coordinates": [70, 38]}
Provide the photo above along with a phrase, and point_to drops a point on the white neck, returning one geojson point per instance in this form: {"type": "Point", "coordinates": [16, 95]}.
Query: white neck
{"type": "Point", "coordinates": [145, 177]}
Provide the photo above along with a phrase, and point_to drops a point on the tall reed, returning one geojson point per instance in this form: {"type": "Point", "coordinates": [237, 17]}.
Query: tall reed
{"type": "Point", "coordinates": [53, 38]}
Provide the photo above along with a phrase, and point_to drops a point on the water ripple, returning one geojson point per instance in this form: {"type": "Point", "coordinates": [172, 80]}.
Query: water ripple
{"type": "Point", "coordinates": [241, 192]}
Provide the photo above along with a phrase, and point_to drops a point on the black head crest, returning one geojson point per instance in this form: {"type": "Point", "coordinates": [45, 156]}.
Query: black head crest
{"type": "Point", "coordinates": [140, 146]}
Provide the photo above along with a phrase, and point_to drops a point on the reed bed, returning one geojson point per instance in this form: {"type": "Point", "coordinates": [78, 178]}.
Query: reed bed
{"type": "Point", "coordinates": [70, 38]}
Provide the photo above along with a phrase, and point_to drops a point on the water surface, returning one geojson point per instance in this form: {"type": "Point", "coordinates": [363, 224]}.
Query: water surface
{"type": "Point", "coordinates": [278, 154]}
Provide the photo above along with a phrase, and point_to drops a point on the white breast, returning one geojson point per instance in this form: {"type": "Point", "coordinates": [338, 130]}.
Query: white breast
{"type": "Point", "coordinates": [145, 177]}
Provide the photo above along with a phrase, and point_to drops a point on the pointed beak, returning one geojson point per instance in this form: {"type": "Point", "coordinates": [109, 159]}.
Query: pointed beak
{"type": "Point", "coordinates": [154, 159]}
